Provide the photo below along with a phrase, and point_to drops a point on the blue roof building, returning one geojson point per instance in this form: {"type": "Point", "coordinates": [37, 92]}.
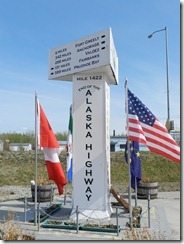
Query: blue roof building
{"type": "Point", "coordinates": [117, 143]}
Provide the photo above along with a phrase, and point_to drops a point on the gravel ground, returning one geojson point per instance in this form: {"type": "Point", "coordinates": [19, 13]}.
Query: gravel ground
{"type": "Point", "coordinates": [18, 192]}
{"type": "Point", "coordinates": [14, 192]}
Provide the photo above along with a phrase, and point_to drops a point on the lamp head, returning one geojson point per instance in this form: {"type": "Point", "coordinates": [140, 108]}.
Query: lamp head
{"type": "Point", "coordinates": [150, 36]}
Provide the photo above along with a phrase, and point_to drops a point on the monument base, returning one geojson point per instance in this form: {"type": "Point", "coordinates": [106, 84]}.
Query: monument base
{"type": "Point", "coordinates": [90, 214]}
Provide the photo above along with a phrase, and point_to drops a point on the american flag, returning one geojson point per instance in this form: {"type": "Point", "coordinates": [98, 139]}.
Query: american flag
{"type": "Point", "coordinates": [145, 128]}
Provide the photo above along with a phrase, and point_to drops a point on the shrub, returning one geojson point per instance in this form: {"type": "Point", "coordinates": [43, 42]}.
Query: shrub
{"type": "Point", "coordinates": [142, 234]}
{"type": "Point", "coordinates": [10, 230]}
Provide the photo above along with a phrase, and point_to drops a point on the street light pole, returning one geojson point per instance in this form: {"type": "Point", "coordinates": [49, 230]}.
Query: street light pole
{"type": "Point", "coordinates": [167, 74]}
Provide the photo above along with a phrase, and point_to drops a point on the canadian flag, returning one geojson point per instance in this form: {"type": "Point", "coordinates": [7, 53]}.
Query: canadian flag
{"type": "Point", "coordinates": [51, 149]}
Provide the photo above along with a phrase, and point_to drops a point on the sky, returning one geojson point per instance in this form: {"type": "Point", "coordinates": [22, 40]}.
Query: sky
{"type": "Point", "coordinates": [29, 29]}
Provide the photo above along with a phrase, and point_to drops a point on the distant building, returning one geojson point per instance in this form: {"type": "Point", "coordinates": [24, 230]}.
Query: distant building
{"type": "Point", "coordinates": [117, 143]}
{"type": "Point", "coordinates": [176, 136]}
{"type": "Point", "coordinates": [63, 145]}
{"type": "Point", "coordinates": [20, 146]}
{"type": "Point", "coordinates": [1, 145]}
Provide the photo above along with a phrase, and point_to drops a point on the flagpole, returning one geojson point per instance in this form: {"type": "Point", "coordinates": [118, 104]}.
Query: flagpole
{"type": "Point", "coordinates": [65, 185]}
{"type": "Point", "coordinates": [135, 191]}
{"type": "Point", "coordinates": [67, 179]}
{"type": "Point", "coordinates": [36, 157]}
{"type": "Point", "coordinates": [67, 160]}
{"type": "Point", "coordinates": [128, 147]}
{"type": "Point", "coordinates": [66, 175]}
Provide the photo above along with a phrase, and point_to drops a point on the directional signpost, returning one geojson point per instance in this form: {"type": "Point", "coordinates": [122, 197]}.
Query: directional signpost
{"type": "Point", "coordinates": [92, 64]}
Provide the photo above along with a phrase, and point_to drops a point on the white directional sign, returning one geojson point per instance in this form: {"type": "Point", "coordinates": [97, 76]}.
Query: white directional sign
{"type": "Point", "coordinates": [93, 54]}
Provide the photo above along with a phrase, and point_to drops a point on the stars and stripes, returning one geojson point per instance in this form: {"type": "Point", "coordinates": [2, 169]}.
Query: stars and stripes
{"type": "Point", "coordinates": [145, 128]}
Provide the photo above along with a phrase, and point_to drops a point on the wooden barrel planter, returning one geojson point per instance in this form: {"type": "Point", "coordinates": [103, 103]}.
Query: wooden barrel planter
{"type": "Point", "coordinates": [144, 188]}
{"type": "Point", "coordinates": [45, 193]}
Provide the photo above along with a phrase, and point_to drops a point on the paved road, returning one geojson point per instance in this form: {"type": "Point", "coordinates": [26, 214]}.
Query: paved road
{"type": "Point", "coordinates": [164, 212]}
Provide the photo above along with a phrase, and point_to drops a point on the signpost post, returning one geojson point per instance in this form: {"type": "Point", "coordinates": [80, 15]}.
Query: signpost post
{"type": "Point", "coordinates": [92, 64]}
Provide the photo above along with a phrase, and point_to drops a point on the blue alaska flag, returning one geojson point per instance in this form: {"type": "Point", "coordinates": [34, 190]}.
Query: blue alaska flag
{"type": "Point", "coordinates": [135, 162]}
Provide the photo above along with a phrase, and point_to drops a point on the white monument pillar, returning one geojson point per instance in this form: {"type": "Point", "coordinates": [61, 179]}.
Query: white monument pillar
{"type": "Point", "coordinates": [92, 64]}
{"type": "Point", "coordinates": [91, 145]}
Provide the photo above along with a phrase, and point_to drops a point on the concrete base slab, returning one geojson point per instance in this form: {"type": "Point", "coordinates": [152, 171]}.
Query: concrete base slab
{"type": "Point", "coordinates": [164, 219]}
